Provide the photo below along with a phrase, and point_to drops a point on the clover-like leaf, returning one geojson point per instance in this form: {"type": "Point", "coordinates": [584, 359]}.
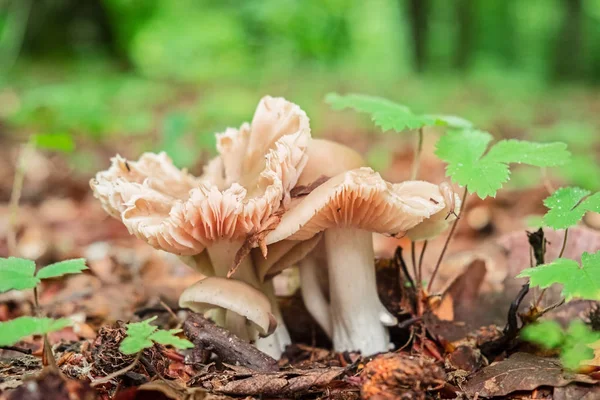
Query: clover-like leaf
{"type": "Point", "coordinates": [17, 329]}
{"type": "Point", "coordinates": [142, 335]}
{"type": "Point", "coordinates": [169, 338]}
{"type": "Point", "coordinates": [574, 343]}
{"type": "Point", "coordinates": [548, 334]}
{"type": "Point", "coordinates": [385, 113]}
{"type": "Point", "coordinates": [484, 174]}
{"type": "Point", "coordinates": [61, 268]}
{"type": "Point", "coordinates": [17, 274]}
{"type": "Point", "coordinates": [568, 205]}
{"type": "Point", "coordinates": [578, 281]}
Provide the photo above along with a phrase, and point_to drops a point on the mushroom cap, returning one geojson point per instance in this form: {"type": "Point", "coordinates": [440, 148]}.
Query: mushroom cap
{"type": "Point", "coordinates": [233, 295]}
{"type": "Point", "coordinates": [282, 255]}
{"type": "Point", "coordinates": [327, 158]}
{"type": "Point", "coordinates": [438, 223]}
{"type": "Point", "coordinates": [238, 195]}
{"type": "Point", "coordinates": [359, 199]}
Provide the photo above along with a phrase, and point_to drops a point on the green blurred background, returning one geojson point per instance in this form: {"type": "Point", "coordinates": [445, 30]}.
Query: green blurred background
{"type": "Point", "coordinates": [139, 75]}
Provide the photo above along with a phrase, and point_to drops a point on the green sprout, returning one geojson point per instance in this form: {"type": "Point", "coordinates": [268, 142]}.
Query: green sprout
{"type": "Point", "coordinates": [142, 335]}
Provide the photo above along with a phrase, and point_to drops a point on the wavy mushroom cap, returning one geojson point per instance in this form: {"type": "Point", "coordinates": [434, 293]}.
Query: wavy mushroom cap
{"type": "Point", "coordinates": [238, 195]}
{"type": "Point", "coordinates": [232, 295]}
{"type": "Point", "coordinates": [360, 199]}
{"type": "Point", "coordinates": [438, 223]}
{"type": "Point", "coordinates": [328, 159]}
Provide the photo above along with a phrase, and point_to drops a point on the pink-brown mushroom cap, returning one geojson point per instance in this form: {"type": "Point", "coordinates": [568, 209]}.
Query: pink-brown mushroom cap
{"type": "Point", "coordinates": [239, 194]}
{"type": "Point", "coordinates": [360, 199]}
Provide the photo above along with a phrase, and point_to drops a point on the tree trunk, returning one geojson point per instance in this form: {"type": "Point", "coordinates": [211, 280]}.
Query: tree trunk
{"type": "Point", "coordinates": [418, 13]}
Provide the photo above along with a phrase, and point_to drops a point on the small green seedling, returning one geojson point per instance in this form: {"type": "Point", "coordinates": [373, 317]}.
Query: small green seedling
{"type": "Point", "coordinates": [579, 281]}
{"type": "Point", "coordinates": [142, 335]}
{"type": "Point", "coordinates": [15, 330]}
{"type": "Point", "coordinates": [573, 344]}
{"type": "Point", "coordinates": [19, 273]}
{"type": "Point", "coordinates": [484, 173]}
{"type": "Point", "coordinates": [568, 205]}
{"type": "Point", "coordinates": [392, 116]}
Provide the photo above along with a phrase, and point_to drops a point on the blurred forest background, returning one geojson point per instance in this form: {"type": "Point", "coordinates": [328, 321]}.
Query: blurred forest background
{"type": "Point", "coordinates": [133, 75]}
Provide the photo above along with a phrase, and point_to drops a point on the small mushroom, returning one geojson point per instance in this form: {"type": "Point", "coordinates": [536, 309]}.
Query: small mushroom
{"type": "Point", "coordinates": [234, 296]}
{"type": "Point", "coordinates": [349, 207]}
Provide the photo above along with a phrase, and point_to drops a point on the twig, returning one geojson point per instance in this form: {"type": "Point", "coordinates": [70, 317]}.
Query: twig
{"type": "Point", "coordinates": [230, 348]}
{"type": "Point", "coordinates": [400, 261]}
{"type": "Point", "coordinates": [441, 257]}
{"type": "Point", "coordinates": [118, 373]}
{"type": "Point", "coordinates": [15, 197]}
{"type": "Point", "coordinates": [417, 158]}
{"type": "Point", "coordinates": [409, 322]}
{"type": "Point", "coordinates": [16, 348]}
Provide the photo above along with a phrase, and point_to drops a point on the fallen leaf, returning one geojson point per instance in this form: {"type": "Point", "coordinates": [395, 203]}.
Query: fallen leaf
{"type": "Point", "coordinates": [577, 392]}
{"type": "Point", "coordinates": [520, 372]}
{"type": "Point", "coordinates": [244, 382]}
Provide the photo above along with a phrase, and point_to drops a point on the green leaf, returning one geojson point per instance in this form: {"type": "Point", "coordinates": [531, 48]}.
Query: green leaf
{"type": "Point", "coordinates": [66, 267]}
{"type": "Point", "coordinates": [578, 281]}
{"type": "Point", "coordinates": [17, 329]}
{"type": "Point", "coordinates": [385, 113]}
{"type": "Point", "coordinates": [574, 344]}
{"type": "Point", "coordinates": [531, 153]}
{"type": "Point", "coordinates": [548, 334]}
{"type": "Point", "coordinates": [451, 121]}
{"type": "Point", "coordinates": [140, 336]}
{"type": "Point", "coordinates": [17, 274]}
{"type": "Point", "coordinates": [576, 348]}
{"type": "Point", "coordinates": [54, 141]}
{"type": "Point", "coordinates": [168, 338]}
{"type": "Point", "coordinates": [484, 174]}
{"type": "Point", "coordinates": [568, 205]}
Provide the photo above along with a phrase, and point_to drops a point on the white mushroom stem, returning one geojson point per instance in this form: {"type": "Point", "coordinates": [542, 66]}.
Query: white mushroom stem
{"type": "Point", "coordinates": [312, 295]}
{"type": "Point", "coordinates": [356, 311]}
{"type": "Point", "coordinates": [275, 344]}
{"type": "Point", "coordinates": [222, 256]}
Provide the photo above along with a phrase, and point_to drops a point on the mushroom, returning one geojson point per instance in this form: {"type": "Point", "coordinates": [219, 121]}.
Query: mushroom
{"type": "Point", "coordinates": [239, 198]}
{"type": "Point", "coordinates": [348, 208]}
{"type": "Point", "coordinates": [233, 295]}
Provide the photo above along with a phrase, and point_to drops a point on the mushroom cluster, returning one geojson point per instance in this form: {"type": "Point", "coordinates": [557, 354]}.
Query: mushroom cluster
{"type": "Point", "coordinates": [265, 203]}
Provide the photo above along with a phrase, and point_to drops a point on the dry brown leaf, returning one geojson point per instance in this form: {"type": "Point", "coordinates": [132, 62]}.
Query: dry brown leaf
{"type": "Point", "coordinates": [520, 372]}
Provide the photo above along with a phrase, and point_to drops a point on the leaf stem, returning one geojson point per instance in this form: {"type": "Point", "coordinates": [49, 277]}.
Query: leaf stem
{"type": "Point", "coordinates": [417, 158]}
{"type": "Point", "coordinates": [413, 257]}
{"type": "Point", "coordinates": [562, 251]}
{"type": "Point", "coordinates": [421, 258]}
{"type": "Point", "coordinates": [448, 239]}
{"type": "Point", "coordinates": [15, 197]}
{"type": "Point", "coordinates": [118, 373]}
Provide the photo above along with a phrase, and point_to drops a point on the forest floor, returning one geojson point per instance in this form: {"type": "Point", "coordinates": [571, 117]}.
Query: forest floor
{"type": "Point", "coordinates": [461, 350]}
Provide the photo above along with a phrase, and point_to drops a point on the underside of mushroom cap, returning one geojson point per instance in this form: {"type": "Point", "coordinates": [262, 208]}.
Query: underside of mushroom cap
{"type": "Point", "coordinates": [360, 199]}
{"type": "Point", "coordinates": [282, 255]}
{"type": "Point", "coordinates": [175, 212]}
{"type": "Point", "coordinates": [232, 295]}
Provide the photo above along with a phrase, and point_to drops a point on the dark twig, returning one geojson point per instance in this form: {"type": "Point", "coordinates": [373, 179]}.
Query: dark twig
{"type": "Point", "coordinates": [448, 239]}
{"type": "Point", "coordinates": [421, 258]}
{"type": "Point", "coordinates": [413, 258]}
{"type": "Point", "coordinates": [399, 260]}
{"type": "Point", "coordinates": [230, 349]}
{"type": "Point", "coordinates": [16, 348]}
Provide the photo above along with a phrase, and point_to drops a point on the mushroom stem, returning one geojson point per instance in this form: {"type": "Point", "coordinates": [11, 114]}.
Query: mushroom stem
{"type": "Point", "coordinates": [222, 256]}
{"type": "Point", "coordinates": [357, 314]}
{"type": "Point", "coordinates": [312, 295]}
{"type": "Point", "coordinates": [275, 344]}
